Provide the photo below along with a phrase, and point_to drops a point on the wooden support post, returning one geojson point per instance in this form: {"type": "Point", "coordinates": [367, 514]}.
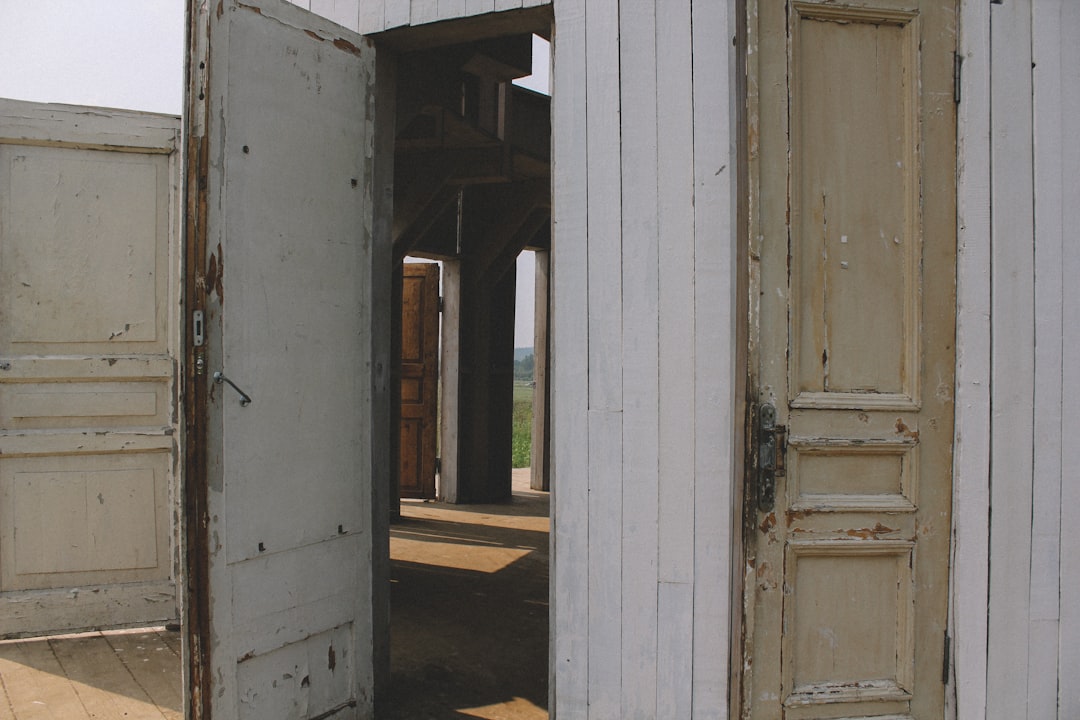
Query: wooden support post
{"type": "Point", "coordinates": [541, 427]}
{"type": "Point", "coordinates": [450, 374]}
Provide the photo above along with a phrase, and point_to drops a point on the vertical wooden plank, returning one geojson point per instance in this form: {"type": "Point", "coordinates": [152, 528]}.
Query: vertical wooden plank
{"type": "Point", "coordinates": [971, 449]}
{"type": "Point", "coordinates": [675, 167]}
{"type": "Point", "coordinates": [715, 239]}
{"type": "Point", "coordinates": [605, 562]}
{"type": "Point", "coordinates": [424, 11]}
{"type": "Point", "coordinates": [507, 4]}
{"type": "Point", "coordinates": [343, 12]}
{"type": "Point", "coordinates": [451, 9]}
{"type": "Point", "coordinates": [604, 178]}
{"type": "Point", "coordinates": [674, 696]}
{"type": "Point", "coordinates": [1012, 344]}
{"type": "Point", "coordinates": [640, 321]}
{"type": "Point", "coordinates": [678, 357]}
{"type": "Point", "coordinates": [475, 7]}
{"type": "Point", "coordinates": [570, 369]}
{"type": "Point", "coordinates": [1069, 651]}
{"type": "Point", "coordinates": [540, 473]}
{"type": "Point", "coordinates": [372, 16]}
{"type": "Point", "coordinates": [396, 13]}
{"type": "Point", "coordinates": [1046, 490]}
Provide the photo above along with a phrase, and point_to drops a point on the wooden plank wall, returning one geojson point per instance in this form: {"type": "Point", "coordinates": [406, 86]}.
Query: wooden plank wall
{"type": "Point", "coordinates": [372, 16]}
{"type": "Point", "coordinates": [1019, 348]}
{"type": "Point", "coordinates": [643, 318]}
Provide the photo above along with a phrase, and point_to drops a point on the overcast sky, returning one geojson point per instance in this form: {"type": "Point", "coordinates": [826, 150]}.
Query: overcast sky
{"type": "Point", "coordinates": [130, 54]}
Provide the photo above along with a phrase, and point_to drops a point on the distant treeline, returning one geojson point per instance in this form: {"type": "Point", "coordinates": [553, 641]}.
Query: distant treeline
{"type": "Point", "coordinates": [524, 368]}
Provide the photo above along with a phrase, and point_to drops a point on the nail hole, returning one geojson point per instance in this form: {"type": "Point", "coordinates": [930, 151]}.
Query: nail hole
{"type": "Point", "coordinates": [246, 149]}
{"type": "Point", "coordinates": [353, 182]}
{"type": "Point", "coordinates": [262, 548]}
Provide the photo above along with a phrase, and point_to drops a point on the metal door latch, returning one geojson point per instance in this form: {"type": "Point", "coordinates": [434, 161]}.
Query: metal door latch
{"type": "Point", "coordinates": [770, 456]}
{"type": "Point", "coordinates": [219, 378]}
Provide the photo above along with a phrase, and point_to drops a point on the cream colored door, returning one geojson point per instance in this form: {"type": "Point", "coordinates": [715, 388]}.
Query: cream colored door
{"type": "Point", "coordinates": [852, 226]}
{"type": "Point", "coordinates": [88, 311]}
{"type": "Point", "coordinates": [283, 108]}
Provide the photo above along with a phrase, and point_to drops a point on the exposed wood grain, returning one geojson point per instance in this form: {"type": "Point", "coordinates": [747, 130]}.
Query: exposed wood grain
{"type": "Point", "coordinates": [1012, 346]}
{"type": "Point", "coordinates": [570, 462]}
{"type": "Point", "coordinates": [715, 374]}
{"type": "Point", "coordinates": [640, 319]}
{"type": "Point", "coordinates": [971, 453]}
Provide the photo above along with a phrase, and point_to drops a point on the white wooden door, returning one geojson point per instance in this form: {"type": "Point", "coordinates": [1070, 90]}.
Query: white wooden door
{"type": "Point", "coordinates": [283, 114]}
{"type": "Point", "coordinates": [88, 339]}
{"type": "Point", "coordinates": [853, 231]}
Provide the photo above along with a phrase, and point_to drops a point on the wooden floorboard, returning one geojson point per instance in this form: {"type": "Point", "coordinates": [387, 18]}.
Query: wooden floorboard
{"type": "Point", "coordinates": [133, 675]}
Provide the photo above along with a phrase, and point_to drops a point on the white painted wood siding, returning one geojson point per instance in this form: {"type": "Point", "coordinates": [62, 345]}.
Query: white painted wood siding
{"type": "Point", "coordinates": [1018, 357]}
{"type": "Point", "coordinates": [643, 320]}
{"type": "Point", "coordinates": [372, 16]}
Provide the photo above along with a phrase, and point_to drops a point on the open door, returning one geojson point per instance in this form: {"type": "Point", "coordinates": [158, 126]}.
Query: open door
{"type": "Point", "coordinates": [88, 338]}
{"type": "Point", "coordinates": [288, 359]}
{"type": "Point", "coordinates": [419, 378]}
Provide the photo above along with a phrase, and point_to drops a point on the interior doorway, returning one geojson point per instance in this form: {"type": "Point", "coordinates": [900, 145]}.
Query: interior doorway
{"type": "Point", "coordinates": [469, 567]}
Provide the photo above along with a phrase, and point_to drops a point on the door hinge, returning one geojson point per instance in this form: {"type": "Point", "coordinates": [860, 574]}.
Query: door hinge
{"type": "Point", "coordinates": [945, 660]}
{"type": "Point", "coordinates": [770, 456]}
{"type": "Point", "coordinates": [958, 64]}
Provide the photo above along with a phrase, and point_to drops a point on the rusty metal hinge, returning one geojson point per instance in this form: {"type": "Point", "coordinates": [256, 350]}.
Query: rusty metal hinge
{"type": "Point", "coordinates": [770, 456]}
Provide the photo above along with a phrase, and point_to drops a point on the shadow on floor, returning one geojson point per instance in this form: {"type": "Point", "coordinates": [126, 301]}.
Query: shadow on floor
{"type": "Point", "coordinates": [469, 611]}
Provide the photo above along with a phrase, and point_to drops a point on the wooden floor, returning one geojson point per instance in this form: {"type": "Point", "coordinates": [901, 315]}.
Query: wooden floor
{"type": "Point", "coordinates": [469, 630]}
{"type": "Point", "coordinates": [129, 674]}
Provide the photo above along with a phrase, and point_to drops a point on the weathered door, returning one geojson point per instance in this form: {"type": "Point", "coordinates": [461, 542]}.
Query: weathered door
{"type": "Point", "coordinates": [88, 339]}
{"type": "Point", "coordinates": [852, 132]}
{"type": "Point", "coordinates": [419, 378]}
{"type": "Point", "coordinates": [281, 211]}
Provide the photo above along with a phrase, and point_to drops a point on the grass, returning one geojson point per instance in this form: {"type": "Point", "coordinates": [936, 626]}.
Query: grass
{"type": "Point", "coordinates": [521, 453]}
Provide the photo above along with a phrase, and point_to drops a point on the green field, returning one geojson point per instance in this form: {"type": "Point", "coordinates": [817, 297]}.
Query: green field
{"type": "Point", "coordinates": [522, 438]}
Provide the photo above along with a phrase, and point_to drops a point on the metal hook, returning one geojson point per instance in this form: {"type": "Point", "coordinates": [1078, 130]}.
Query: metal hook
{"type": "Point", "coordinates": [219, 378]}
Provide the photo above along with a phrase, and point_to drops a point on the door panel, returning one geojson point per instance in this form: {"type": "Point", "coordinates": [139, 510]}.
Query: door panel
{"type": "Point", "coordinates": [88, 335]}
{"type": "Point", "coordinates": [852, 331]}
{"type": "Point", "coordinates": [286, 285]}
{"type": "Point", "coordinates": [419, 378]}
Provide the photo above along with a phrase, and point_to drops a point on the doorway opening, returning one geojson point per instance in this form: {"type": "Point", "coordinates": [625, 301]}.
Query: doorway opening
{"type": "Point", "coordinates": [469, 533]}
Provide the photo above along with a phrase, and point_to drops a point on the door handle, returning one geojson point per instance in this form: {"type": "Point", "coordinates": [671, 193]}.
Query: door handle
{"type": "Point", "coordinates": [770, 456]}
{"type": "Point", "coordinates": [219, 378]}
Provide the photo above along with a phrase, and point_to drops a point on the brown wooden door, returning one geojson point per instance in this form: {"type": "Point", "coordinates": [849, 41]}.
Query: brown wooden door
{"type": "Point", "coordinates": [419, 378]}
{"type": "Point", "coordinates": [852, 168]}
